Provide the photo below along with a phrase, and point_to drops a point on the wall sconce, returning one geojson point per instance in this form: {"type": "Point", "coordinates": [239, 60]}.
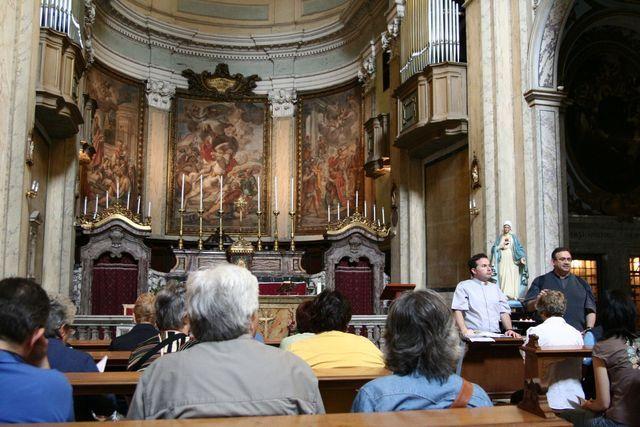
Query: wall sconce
{"type": "Point", "coordinates": [473, 209]}
{"type": "Point", "coordinates": [33, 191]}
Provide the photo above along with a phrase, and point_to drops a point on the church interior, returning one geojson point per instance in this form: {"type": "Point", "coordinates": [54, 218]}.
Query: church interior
{"type": "Point", "coordinates": [364, 146]}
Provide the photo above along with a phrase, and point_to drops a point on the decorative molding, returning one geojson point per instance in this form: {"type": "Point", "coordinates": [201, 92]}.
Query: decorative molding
{"type": "Point", "coordinates": [159, 94]}
{"type": "Point", "coordinates": [221, 84]}
{"type": "Point", "coordinates": [283, 102]}
{"type": "Point", "coordinates": [89, 20]}
{"type": "Point", "coordinates": [367, 69]}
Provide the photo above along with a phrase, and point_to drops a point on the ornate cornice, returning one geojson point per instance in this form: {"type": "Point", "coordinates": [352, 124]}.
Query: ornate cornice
{"type": "Point", "coordinates": [221, 84]}
{"type": "Point", "coordinates": [151, 31]}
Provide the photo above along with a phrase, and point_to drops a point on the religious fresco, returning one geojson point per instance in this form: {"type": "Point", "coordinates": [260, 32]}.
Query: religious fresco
{"type": "Point", "coordinates": [330, 153]}
{"type": "Point", "coordinates": [116, 135]}
{"type": "Point", "coordinates": [222, 142]}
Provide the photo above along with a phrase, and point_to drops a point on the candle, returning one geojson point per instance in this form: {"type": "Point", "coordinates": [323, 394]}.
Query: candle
{"type": "Point", "coordinates": [338, 211]}
{"type": "Point", "coordinates": [291, 208]}
{"type": "Point", "coordinates": [95, 211]}
{"type": "Point", "coordinates": [258, 193]}
{"type": "Point", "coordinates": [118, 189]}
{"type": "Point", "coordinates": [182, 194]}
{"type": "Point", "coordinates": [149, 210]}
{"type": "Point", "coordinates": [356, 200]}
{"type": "Point", "coordinates": [348, 203]}
{"type": "Point", "coordinates": [138, 208]}
{"type": "Point", "coordinates": [84, 211]}
{"type": "Point", "coordinates": [275, 192]}
{"type": "Point", "coordinates": [200, 192]}
{"type": "Point", "coordinates": [365, 208]}
{"type": "Point", "coordinates": [128, 198]}
{"type": "Point", "coordinates": [474, 203]}
{"type": "Point", "coordinates": [374, 212]}
{"type": "Point", "coordinates": [383, 221]}
{"type": "Point", "coordinates": [470, 204]}
{"type": "Point", "coordinates": [328, 213]}
{"type": "Point", "coordinates": [107, 199]}
{"type": "Point", "coordinates": [221, 184]}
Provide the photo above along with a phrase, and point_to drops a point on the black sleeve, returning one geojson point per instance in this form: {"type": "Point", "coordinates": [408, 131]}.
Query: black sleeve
{"type": "Point", "coordinates": [534, 290]}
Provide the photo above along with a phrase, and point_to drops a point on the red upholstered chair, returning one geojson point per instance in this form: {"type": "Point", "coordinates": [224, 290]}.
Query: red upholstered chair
{"type": "Point", "coordinates": [354, 280]}
{"type": "Point", "coordinates": [115, 282]}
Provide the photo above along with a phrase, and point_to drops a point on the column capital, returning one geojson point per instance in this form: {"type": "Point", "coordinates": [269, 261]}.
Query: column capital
{"type": "Point", "coordinates": [546, 97]}
{"type": "Point", "coordinates": [159, 94]}
{"type": "Point", "coordinates": [282, 102]}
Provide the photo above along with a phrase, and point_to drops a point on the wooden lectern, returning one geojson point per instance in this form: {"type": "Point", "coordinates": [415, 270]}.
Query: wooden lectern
{"type": "Point", "coordinates": [393, 290]}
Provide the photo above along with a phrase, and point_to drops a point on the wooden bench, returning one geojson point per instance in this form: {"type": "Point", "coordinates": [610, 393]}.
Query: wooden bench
{"type": "Point", "coordinates": [497, 366]}
{"type": "Point", "coordinates": [338, 387]}
{"type": "Point", "coordinates": [536, 366]}
{"type": "Point", "coordinates": [87, 345]}
{"type": "Point", "coordinates": [495, 416]}
{"type": "Point", "coordinates": [116, 360]}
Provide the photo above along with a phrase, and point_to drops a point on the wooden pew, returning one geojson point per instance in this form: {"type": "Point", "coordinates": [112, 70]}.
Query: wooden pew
{"type": "Point", "coordinates": [338, 387]}
{"type": "Point", "coordinates": [495, 416]}
{"type": "Point", "coordinates": [538, 360]}
{"type": "Point", "coordinates": [87, 345]}
{"type": "Point", "coordinates": [116, 360]}
{"type": "Point", "coordinates": [497, 366]}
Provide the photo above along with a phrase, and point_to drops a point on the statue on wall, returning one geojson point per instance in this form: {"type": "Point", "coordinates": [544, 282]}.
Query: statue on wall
{"type": "Point", "coordinates": [508, 259]}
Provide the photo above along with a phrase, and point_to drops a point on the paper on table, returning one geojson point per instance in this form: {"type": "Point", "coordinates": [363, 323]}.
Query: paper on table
{"type": "Point", "coordinates": [479, 338]}
{"type": "Point", "coordinates": [102, 364]}
{"type": "Point", "coordinates": [488, 334]}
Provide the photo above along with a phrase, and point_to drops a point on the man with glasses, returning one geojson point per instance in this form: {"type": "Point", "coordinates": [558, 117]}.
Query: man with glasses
{"type": "Point", "coordinates": [581, 305]}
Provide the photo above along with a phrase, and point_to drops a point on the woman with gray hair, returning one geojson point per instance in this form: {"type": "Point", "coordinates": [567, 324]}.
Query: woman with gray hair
{"type": "Point", "coordinates": [422, 349]}
{"type": "Point", "coordinates": [171, 320]}
{"type": "Point", "coordinates": [227, 373]}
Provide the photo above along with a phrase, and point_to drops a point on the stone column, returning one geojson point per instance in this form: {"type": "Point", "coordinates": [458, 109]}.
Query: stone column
{"type": "Point", "coordinates": [283, 152]}
{"type": "Point", "coordinates": [18, 62]}
{"type": "Point", "coordinates": [59, 234]}
{"type": "Point", "coordinates": [159, 94]}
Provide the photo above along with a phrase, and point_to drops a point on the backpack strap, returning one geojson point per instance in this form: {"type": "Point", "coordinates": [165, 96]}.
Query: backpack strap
{"type": "Point", "coordinates": [464, 396]}
{"type": "Point", "coordinates": [149, 354]}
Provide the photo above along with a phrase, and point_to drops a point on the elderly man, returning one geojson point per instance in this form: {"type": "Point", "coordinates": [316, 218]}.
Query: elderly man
{"type": "Point", "coordinates": [31, 392]}
{"type": "Point", "coordinates": [227, 373]}
{"type": "Point", "coordinates": [478, 304]}
{"type": "Point", "coordinates": [581, 305]}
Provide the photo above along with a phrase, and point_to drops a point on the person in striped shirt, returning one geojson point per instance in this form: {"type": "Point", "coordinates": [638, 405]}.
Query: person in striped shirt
{"type": "Point", "coordinates": [171, 320]}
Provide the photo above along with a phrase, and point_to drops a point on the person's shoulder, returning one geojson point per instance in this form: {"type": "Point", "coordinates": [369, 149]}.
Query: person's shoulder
{"type": "Point", "coordinates": [465, 284]}
{"type": "Point", "coordinates": [52, 380]}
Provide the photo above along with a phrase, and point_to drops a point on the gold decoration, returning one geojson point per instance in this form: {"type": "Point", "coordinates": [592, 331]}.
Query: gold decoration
{"type": "Point", "coordinates": [358, 220]}
{"type": "Point", "coordinates": [241, 247]}
{"type": "Point", "coordinates": [115, 211]}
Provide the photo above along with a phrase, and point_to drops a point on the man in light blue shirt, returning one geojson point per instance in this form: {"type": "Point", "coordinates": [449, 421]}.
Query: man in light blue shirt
{"type": "Point", "coordinates": [479, 305]}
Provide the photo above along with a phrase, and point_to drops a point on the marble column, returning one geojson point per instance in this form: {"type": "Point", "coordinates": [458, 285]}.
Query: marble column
{"type": "Point", "coordinates": [18, 63]}
{"type": "Point", "coordinates": [59, 233]}
{"type": "Point", "coordinates": [159, 95]}
{"type": "Point", "coordinates": [283, 152]}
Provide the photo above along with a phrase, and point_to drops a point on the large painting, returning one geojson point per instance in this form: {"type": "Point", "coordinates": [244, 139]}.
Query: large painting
{"type": "Point", "coordinates": [117, 138]}
{"type": "Point", "coordinates": [221, 142]}
{"type": "Point", "coordinates": [330, 153]}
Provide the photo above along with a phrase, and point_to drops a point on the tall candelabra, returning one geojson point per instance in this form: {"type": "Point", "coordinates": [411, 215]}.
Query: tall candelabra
{"type": "Point", "coordinates": [200, 242]}
{"type": "Point", "coordinates": [180, 241]}
{"type": "Point", "coordinates": [292, 214]}
{"type": "Point", "coordinates": [275, 237]}
{"type": "Point", "coordinates": [259, 213]}
{"type": "Point", "coordinates": [220, 239]}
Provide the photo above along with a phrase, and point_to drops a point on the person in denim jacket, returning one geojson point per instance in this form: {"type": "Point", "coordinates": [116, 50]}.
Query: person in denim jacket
{"type": "Point", "coordinates": [422, 348]}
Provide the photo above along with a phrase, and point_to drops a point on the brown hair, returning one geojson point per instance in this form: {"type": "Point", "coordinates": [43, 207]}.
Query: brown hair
{"type": "Point", "coordinates": [144, 310]}
{"type": "Point", "coordinates": [552, 303]}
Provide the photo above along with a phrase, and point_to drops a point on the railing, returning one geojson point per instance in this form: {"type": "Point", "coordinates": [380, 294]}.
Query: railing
{"type": "Point", "coordinates": [58, 15]}
{"type": "Point", "coordinates": [104, 327]}
{"type": "Point", "coordinates": [442, 34]}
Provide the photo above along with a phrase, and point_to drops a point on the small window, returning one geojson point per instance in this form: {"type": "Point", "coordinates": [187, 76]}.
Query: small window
{"type": "Point", "coordinates": [634, 279]}
{"type": "Point", "coordinates": [587, 268]}
{"type": "Point", "coordinates": [386, 57]}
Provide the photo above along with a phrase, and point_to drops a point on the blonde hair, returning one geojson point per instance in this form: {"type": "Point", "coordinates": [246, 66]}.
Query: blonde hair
{"type": "Point", "coordinates": [552, 303]}
{"type": "Point", "coordinates": [144, 310]}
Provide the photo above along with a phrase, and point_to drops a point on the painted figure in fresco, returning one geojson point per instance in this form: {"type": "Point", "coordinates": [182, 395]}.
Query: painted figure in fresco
{"type": "Point", "coordinates": [311, 189]}
{"type": "Point", "coordinates": [337, 176]}
{"type": "Point", "coordinates": [509, 262]}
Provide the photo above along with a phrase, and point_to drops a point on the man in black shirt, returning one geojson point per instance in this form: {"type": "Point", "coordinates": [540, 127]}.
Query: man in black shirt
{"type": "Point", "coordinates": [581, 305]}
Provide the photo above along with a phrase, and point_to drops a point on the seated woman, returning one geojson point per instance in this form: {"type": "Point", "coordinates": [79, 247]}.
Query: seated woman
{"type": "Point", "coordinates": [303, 326]}
{"type": "Point", "coordinates": [422, 348]}
{"type": "Point", "coordinates": [171, 319]}
{"type": "Point", "coordinates": [333, 347]}
{"type": "Point", "coordinates": [144, 314]}
{"type": "Point", "coordinates": [616, 365]}
{"type": "Point", "coordinates": [564, 377]}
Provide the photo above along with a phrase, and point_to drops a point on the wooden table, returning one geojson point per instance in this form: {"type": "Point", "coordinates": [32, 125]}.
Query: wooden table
{"type": "Point", "coordinates": [116, 360]}
{"type": "Point", "coordinates": [338, 387]}
{"type": "Point", "coordinates": [495, 416]}
{"type": "Point", "coordinates": [497, 367]}
{"type": "Point", "coordinates": [86, 345]}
